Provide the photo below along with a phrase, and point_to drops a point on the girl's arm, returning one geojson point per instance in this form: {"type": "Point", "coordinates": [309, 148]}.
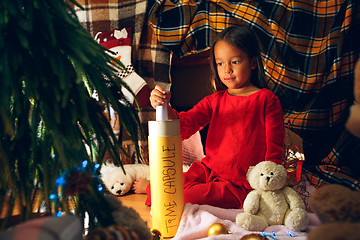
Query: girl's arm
{"type": "Point", "coordinates": [190, 121]}
{"type": "Point", "coordinates": [274, 130]}
{"type": "Point", "coordinates": [158, 97]}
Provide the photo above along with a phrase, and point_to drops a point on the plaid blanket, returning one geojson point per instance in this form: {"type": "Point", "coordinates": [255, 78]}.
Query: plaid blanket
{"type": "Point", "coordinates": [309, 49]}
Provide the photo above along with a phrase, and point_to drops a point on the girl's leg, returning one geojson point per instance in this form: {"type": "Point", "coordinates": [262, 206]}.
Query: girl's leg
{"type": "Point", "coordinates": [218, 194]}
{"type": "Point", "coordinates": [203, 187]}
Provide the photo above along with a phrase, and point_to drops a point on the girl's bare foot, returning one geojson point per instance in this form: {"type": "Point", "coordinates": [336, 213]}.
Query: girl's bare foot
{"type": "Point", "coordinates": [140, 185]}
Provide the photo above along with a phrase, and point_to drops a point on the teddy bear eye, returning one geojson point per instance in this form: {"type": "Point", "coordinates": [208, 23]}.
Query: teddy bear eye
{"type": "Point", "coordinates": [122, 184]}
{"type": "Point", "coordinates": [261, 174]}
{"type": "Point", "coordinates": [112, 187]}
{"type": "Point", "coordinates": [271, 173]}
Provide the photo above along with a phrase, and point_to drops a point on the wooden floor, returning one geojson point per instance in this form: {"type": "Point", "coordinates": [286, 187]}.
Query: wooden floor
{"type": "Point", "coordinates": [137, 201]}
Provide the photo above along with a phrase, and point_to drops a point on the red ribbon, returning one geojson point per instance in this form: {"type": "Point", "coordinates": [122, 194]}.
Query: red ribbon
{"type": "Point", "coordinates": [298, 170]}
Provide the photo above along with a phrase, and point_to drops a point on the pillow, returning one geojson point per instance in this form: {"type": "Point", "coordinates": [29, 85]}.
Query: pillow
{"type": "Point", "coordinates": [192, 149]}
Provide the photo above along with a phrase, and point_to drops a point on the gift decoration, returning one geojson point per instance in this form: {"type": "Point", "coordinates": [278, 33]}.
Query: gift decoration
{"type": "Point", "coordinates": [293, 164]}
{"type": "Point", "coordinates": [119, 43]}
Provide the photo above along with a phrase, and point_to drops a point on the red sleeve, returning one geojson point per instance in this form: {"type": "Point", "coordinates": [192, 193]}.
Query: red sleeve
{"type": "Point", "coordinates": [196, 118]}
{"type": "Point", "coordinates": [274, 131]}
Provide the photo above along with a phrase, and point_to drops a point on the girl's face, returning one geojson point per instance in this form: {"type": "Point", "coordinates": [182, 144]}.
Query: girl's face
{"type": "Point", "coordinates": [234, 67]}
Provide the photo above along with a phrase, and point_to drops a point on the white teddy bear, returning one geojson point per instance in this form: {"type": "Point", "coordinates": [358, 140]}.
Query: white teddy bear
{"type": "Point", "coordinates": [119, 183]}
{"type": "Point", "coordinates": [271, 202]}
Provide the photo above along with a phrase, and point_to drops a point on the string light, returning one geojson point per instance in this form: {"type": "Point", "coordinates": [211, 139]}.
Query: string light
{"type": "Point", "coordinates": [60, 180]}
{"type": "Point", "coordinates": [96, 167]}
{"type": "Point", "coordinates": [268, 235]}
{"type": "Point", "coordinates": [291, 234]}
{"type": "Point", "coordinates": [58, 214]}
{"type": "Point", "coordinates": [84, 163]}
{"type": "Point", "coordinates": [52, 196]}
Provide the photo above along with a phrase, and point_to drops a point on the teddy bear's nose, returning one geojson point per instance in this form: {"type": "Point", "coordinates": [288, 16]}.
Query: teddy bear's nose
{"type": "Point", "coordinates": [118, 191]}
{"type": "Point", "coordinates": [268, 178]}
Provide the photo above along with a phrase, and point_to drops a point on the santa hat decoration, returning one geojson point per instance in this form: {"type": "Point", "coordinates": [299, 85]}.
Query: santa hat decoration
{"type": "Point", "coordinates": [119, 42]}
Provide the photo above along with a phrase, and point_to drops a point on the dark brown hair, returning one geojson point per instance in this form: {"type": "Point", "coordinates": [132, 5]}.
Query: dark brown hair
{"type": "Point", "coordinates": [243, 37]}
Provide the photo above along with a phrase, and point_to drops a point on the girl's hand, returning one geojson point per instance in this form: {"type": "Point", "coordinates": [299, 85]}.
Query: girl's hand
{"type": "Point", "coordinates": [159, 96]}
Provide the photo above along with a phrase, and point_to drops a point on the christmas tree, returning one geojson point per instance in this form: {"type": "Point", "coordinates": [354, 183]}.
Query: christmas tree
{"type": "Point", "coordinates": [53, 133]}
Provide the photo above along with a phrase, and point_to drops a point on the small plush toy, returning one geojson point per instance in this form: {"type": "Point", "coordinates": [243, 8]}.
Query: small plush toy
{"type": "Point", "coordinates": [271, 202]}
{"type": "Point", "coordinates": [338, 208]}
{"type": "Point", "coordinates": [128, 224]}
{"type": "Point", "coordinates": [119, 183]}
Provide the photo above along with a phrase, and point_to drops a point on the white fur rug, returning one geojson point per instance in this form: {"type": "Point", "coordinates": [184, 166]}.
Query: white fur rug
{"type": "Point", "coordinates": [197, 219]}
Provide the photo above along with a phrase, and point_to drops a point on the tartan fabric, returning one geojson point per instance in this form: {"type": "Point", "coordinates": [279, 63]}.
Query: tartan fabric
{"type": "Point", "coordinates": [309, 49]}
{"type": "Point", "coordinates": [106, 15]}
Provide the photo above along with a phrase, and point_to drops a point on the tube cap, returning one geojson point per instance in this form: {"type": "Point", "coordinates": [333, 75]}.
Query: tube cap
{"type": "Point", "coordinates": [162, 113]}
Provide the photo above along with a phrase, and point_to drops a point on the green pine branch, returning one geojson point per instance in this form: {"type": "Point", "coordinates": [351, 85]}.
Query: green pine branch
{"type": "Point", "coordinates": [49, 123]}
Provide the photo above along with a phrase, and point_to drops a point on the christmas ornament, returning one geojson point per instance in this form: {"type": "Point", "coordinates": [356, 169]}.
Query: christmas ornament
{"type": "Point", "coordinates": [156, 234]}
{"type": "Point", "coordinates": [75, 181]}
{"type": "Point", "coordinates": [253, 236]}
{"type": "Point", "coordinates": [217, 229]}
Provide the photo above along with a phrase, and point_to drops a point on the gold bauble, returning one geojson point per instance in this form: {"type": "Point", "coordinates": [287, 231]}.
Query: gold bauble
{"type": "Point", "coordinates": [217, 229]}
{"type": "Point", "coordinates": [253, 236]}
{"type": "Point", "coordinates": [156, 234]}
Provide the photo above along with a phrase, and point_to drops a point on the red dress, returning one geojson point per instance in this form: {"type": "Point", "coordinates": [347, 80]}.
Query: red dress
{"type": "Point", "coordinates": [243, 130]}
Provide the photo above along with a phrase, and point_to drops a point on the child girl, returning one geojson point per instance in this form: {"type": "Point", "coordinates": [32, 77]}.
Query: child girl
{"type": "Point", "coordinates": [245, 123]}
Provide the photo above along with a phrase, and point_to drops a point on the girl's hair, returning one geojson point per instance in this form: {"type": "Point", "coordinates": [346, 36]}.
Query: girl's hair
{"type": "Point", "coordinates": [243, 37]}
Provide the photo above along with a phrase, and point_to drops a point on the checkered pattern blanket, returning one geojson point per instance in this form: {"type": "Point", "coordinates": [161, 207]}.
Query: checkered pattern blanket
{"type": "Point", "coordinates": [309, 50]}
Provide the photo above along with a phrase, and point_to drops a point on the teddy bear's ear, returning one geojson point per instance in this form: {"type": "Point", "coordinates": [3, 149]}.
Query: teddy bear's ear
{"type": "Point", "coordinates": [249, 170]}
{"type": "Point", "coordinates": [281, 168]}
